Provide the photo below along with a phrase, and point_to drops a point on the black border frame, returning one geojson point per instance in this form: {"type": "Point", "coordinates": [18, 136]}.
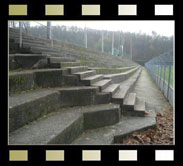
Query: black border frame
{"type": "Point", "coordinates": [73, 154]}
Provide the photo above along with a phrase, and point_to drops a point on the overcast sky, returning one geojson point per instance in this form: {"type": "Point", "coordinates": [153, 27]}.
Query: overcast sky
{"type": "Point", "coordinates": [164, 28]}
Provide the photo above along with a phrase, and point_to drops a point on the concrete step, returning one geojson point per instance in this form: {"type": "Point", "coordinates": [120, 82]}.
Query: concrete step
{"type": "Point", "coordinates": [56, 128]}
{"type": "Point", "coordinates": [28, 41]}
{"type": "Point", "coordinates": [102, 84]}
{"type": "Point", "coordinates": [43, 50]}
{"type": "Point", "coordinates": [26, 80]}
{"type": "Point", "coordinates": [20, 81]}
{"type": "Point", "coordinates": [112, 89]}
{"type": "Point", "coordinates": [140, 107]}
{"type": "Point", "coordinates": [92, 79]}
{"type": "Point", "coordinates": [129, 102]}
{"type": "Point", "coordinates": [126, 87]}
{"type": "Point", "coordinates": [117, 132]}
{"type": "Point", "coordinates": [120, 95]}
{"type": "Point", "coordinates": [25, 39]}
{"type": "Point", "coordinates": [33, 44]}
{"type": "Point", "coordinates": [28, 60]}
{"type": "Point", "coordinates": [58, 54]}
{"type": "Point", "coordinates": [64, 64]}
{"type": "Point", "coordinates": [64, 125]}
{"type": "Point", "coordinates": [60, 59]}
{"type": "Point", "coordinates": [24, 108]}
{"type": "Point", "coordinates": [76, 69]}
{"type": "Point", "coordinates": [28, 106]}
{"type": "Point", "coordinates": [85, 74]}
{"type": "Point", "coordinates": [120, 77]}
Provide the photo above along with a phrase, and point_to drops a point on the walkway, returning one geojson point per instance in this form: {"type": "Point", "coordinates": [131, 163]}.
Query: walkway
{"type": "Point", "coordinates": [147, 89]}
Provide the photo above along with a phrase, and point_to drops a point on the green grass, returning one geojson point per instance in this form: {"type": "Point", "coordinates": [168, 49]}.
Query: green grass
{"type": "Point", "coordinates": [166, 70]}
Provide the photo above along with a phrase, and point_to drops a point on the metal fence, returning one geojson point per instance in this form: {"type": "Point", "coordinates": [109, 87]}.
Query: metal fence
{"type": "Point", "coordinates": [161, 69]}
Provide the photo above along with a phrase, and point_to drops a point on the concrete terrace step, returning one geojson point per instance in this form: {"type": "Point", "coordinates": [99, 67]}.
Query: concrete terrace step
{"type": "Point", "coordinates": [26, 107]}
{"type": "Point", "coordinates": [64, 125]}
{"type": "Point", "coordinates": [21, 81]}
{"type": "Point", "coordinates": [120, 95]}
{"type": "Point", "coordinates": [96, 116]}
{"type": "Point", "coordinates": [33, 44]}
{"type": "Point", "coordinates": [116, 133]}
{"type": "Point", "coordinates": [76, 69]}
{"type": "Point", "coordinates": [102, 84]}
{"type": "Point", "coordinates": [27, 41]}
{"type": "Point", "coordinates": [56, 128]}
{"type": "Point", "coordinates": [25, 37]}
{"type": "Point", "coordinates": [112, 89]}
{"type": "Point", "coordinates": [64, 64]}
{"type": "Point", "coordinates": [43, 50]}
{"type": "Point", "coordinates": [27, 60]}
{"type": "Point", "coordinates": [125, 87]}
{"type": "Point", "coordinates": [92, 79]}
{"type": "Point", "coordinates": [120, 77]}
{"type": "Point", "coordinates": [129, 102]}
{"type": "Point", "coordinates": [60, 59]}
{"type": "Point", "coordinates": [85, 74]}
{"type": "Point", "coordinates": [140, 107]}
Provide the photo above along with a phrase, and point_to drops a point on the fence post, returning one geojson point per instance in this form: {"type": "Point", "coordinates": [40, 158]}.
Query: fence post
{"type": "Point", "coordinates": [169, 76]}
{"type": "Point", "coordinates": [164, 73]}
{"type": "Point", "coordinates": [160, 77]}
{"type": "Point", "coordinates": [20, 34]}
{"type": "Point", "coordinates": [158, 83]}
{"type": "Point", "coordinates": [156, 74]}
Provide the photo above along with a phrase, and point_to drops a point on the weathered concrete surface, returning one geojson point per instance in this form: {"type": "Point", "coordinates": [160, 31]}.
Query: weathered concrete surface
{"type": "Point", "coordinates": [120, 77]}
{"type": "Point", "coordinates": [48, 78]}
{"type": "Point", "coordinates": [125, 87]}
{"type": "Point", "coordinates": [115, 133]}
{"type": "Point", "coordinates": [100, 116]}
{"type": "Point", "coordinates": [20, 81]}
{"type": "Point", "coordinates": [56, 128]}
{"type": "Point", "coordinates": [64, 125]}
{"type": "Point", "coordinates": [24, 108]}
{"type": "Point", "coordinates": [28, 60]}
{"type": "Point", "coordinates": [146, 89]}
{"type": "Point", "coordinates": [78, 96]}
{"type": "Point", "coordinates": [12, 63]}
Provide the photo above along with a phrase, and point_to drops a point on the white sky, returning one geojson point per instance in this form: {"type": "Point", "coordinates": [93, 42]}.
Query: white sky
{"type": "Point", "coordinates": [164, 28]}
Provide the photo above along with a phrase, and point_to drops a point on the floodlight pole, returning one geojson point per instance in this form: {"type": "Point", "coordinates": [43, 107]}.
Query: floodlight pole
{"type": "Point", "coordinates": [113, 43]}
{"type": "Point", "coordinates": [102, 41]}
{"type": "Point", "coordinates": [48, 30]}
{"type": "Point", "coordinates": [122, 50]}
{"type": "Point", "coordinates": [119, 44]}
{"type": "Point", "coordinates": [20, 34]}
{"type": "Point", "coordinates": [131, 48]}
{"type": "Point", "coordinates": [85, 37]}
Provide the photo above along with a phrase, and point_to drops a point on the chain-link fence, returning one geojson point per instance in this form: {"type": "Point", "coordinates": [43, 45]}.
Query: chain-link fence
{"type": "Point", "coordinates": [161, 69]}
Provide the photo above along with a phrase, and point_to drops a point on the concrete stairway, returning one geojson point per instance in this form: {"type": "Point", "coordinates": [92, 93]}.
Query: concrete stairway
{"type": "Point", "coordinates": [42, 111]}
{"type": "Point", "coordinates": [55, 100]}
{"type": "Point", "coordinates": [119, 94]}
{"type": "Point", "coordinates": [36, 45]}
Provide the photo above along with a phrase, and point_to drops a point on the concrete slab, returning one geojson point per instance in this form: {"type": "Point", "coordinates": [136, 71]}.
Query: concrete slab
{"type": "Point", "coordinates": [115, 133]}
{"type": "Point", "coordinates": [56, 128]}
{"type": "Point", "coordinates": [154, 96]}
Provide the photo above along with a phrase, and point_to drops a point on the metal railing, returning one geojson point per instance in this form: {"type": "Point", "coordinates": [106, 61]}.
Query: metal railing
{"type": "Point", "coordinates": [161, 69]}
